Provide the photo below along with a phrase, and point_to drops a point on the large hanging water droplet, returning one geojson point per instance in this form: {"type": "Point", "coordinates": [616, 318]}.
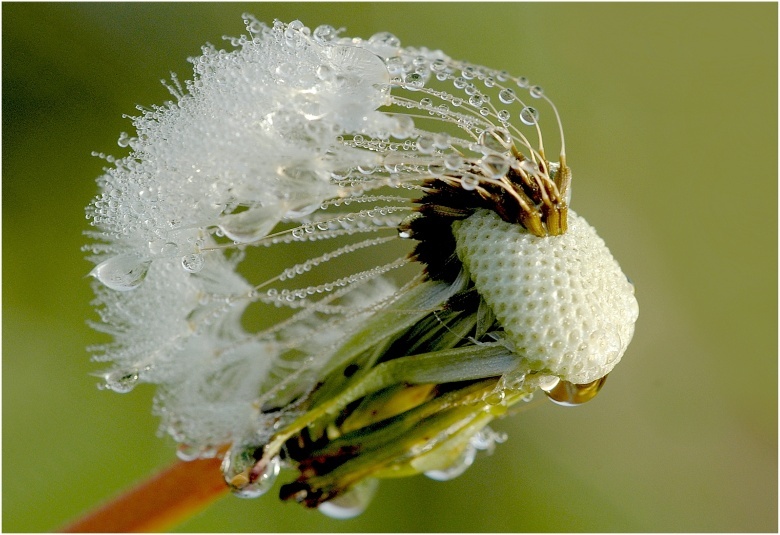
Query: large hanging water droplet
{"type": "Point", "coordinates": [123, 272]}
{"type": "Point", "coordinates": [570, 395]}
{"type": "Point", "coordinates": [237, 467]}
{"type": "Point", "coordinates": [121, 381]}
{"type": "Point", "coordinates": [461, 464]}
{"type": "Point", "coordinates": [352, 503]}
{"type": "Point", "coordinates": [251, 225]}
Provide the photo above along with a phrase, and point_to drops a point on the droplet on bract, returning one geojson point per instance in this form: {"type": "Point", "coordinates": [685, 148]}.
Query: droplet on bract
{"type": "Point", "coordinates": [351, 504]}
{"type": "Point", "coordinates": [236, 469]}
{"type": "Point", "coordinates": [122, 273]}
{"type": "Point", "coordinates": [570, 395]}
{"type": "Point", "coordinates": [461, 464]}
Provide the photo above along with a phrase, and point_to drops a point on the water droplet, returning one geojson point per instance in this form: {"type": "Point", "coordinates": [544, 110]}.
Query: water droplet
{"type": "Point", "coordinates": [461, 464]}
{"type": "Point", "coordinates": [192, 262]}
{"type": "Point", "coordinates": [324, 33]}
{"type": "Point", "coordinates": [403, 127]}
{"type": "Point", "coordinates": [121, 381]}
{"type": "Point", "coordinates": [569, 394]}
{"type": "Point", "coordinates": [522, 81]}
{"type": "Point", "coordinates": [536, 91]}
{"type": "Point", "coordinates": [495, 398]}
{"type": "Point", "coordinates": [438, 65]}
{"type": "Point", "coordinates": [352, 503]}
{"type": "Point", "coordinates": [507, 96]}
{"type": "Point", "coordinates": [237, 467]}
{"type": "Point", "coordinates": [123, 272]}
{"type": "Point", "coordinates": [476, 100]}
{"type": "Point", "coordinates": [325, 73]}
{"type": "Point", "coordinates": [385, 38]}
{"type": "Point", "coordinates": [469, 183]}
{"type": "Point", "coordinates": [494, 166]}
{"type": "Point", "coordinates": [453, 161]}
{"type": "Point", "coordinates": [187, 452]}
{"type": "Point", "coordinates": [436, 169]}
{"type": "Point", "coordinates": [414, 81]}
{"type": "Point", "coordinates": [503, 116]}
{"type": "Point", "coordinates": [529, 115]}
{"type": "Point", "coordinates": [425, 144]}
{"type": "Point", "coordinates": [124, 140]}
{"type": "Point", "coordinates": [496, 139]}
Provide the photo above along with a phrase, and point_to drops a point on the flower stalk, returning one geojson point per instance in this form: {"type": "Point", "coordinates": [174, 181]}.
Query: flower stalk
{"type": "Point", "coordinates": [159, 503]}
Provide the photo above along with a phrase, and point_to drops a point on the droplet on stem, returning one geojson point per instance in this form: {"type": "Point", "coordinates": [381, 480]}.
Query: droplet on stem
{"type": "Point", "coordinates": [461, 464]}
{"type": "Point", "coordinates": [237, 470]}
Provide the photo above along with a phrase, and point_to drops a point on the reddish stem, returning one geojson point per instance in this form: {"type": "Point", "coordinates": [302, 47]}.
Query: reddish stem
{"type": "Point", "coordinates": [158, 503]}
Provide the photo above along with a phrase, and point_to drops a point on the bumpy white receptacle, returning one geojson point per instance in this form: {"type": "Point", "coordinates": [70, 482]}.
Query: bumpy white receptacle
{"type": "Point", "coordinates": [563, 300]}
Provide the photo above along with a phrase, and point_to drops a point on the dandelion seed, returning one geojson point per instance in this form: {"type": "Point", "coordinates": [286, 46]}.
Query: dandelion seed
{"type": "Point", "coordinates": [299, 135]}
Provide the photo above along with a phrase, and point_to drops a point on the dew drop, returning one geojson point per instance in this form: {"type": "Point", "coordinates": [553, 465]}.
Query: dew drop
{"type": "Point", "coordinates": [237, 466]}
{"type": "Point", "coordinates": [494, 166]}
{"type": "Point", "coordinates": [507, 96]}
{"type": "Point", "coordinates": [124, 140]}
{"type": "Point", "coordinates": [503, 116]}
{"type": "Point", "coordinates": [453, 161]}
{"type": "Point", "coordinates": [192, 262]}
{"type": "Point", "coordinates": [325, 73]}
{"type": "Point", "coordinates": [414, 81]}
{"type": "Point", "coordinates": [352, 503]}
{"type": "Point", "coordinates": [403, 127]}
{"type": "Point", "coordinates": [461, 464]}
{"type": "Point", "coordinates": [469, 183]}
{"type": "Point", "coordinates": [386, 39]}
{"type": "Point", "coordinates": [495, 398]}
{"type": "Point", "coordinates": [122, 273]}
{"type": "Point", "coordinates": [436, 169]}
{"type": "Point", "coordinates": [121, 381]}
{"type": "Point", "coordinates": [187, 452]}
{"type": "Point", "coordinates": [324, 33]}
{"type": "Point", "coordinates": [425, 144]}
{"type": "Point", "coordinates": [496, 139]}
{"type": "Point", "coordinates": [570, 395]}
{"type": "Point", "coordinates": [250, 225]}
{"type": "Point", "coordinates": [529, 115]}
{"type": "Point", "coordinates": [536, 91]}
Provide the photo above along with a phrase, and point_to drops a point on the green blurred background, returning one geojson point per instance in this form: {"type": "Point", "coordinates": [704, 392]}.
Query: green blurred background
{"type": "Point", "coordinates": [670, 113]}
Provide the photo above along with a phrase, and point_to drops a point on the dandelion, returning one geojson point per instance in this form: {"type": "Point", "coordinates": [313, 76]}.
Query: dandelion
{"type": "Point", "coordinates": [300, 136]}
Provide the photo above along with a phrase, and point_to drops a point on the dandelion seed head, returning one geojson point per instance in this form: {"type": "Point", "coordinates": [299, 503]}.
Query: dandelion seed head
{"type": "Point", "coordinates": [294, 136]}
